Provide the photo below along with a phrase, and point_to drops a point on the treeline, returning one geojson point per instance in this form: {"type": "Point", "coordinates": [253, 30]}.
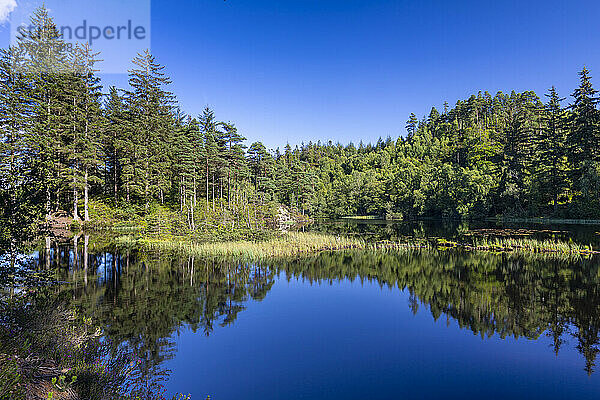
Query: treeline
{"type": "Point", "coordinates": [65, 142]}
{"type": "Point", "coordinates": [503, 155]}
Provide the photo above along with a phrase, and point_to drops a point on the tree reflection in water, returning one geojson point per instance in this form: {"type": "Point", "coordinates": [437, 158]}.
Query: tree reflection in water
{"type": "Point", "coordinates": [143, 298]}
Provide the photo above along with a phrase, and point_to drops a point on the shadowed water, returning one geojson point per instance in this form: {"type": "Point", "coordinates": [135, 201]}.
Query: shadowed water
{"type": "Point", "coordinates": [348, 325]}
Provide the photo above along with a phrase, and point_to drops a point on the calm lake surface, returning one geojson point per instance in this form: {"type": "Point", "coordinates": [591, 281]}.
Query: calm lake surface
{"type": "Point", "coordinates": [349, 325]}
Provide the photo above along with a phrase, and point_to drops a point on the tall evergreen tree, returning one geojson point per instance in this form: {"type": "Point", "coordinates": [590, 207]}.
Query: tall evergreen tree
{"type": "Point", "coordinates": [552, 166]}
{"type": "Point", "coordinates": [47, 66]}
{"type": "Point", "coordinates": [212, 156]}
{"type": "Point", "coordinates": [88, 125]}
{"type": "Point", "coordinates": [583, 138]}
{"type": "Point", "coordinates": [18, 187]}
{"type": "Point", "coordinates": [150, 107]}
{"type": "Point", "coordinates": [116, 143]}
{"type": "Point", "coordinates": [411, 124]}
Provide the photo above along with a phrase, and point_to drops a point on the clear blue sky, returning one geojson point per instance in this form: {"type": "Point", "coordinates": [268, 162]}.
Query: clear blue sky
{"type": "Point", "coordinates": [346, 70]}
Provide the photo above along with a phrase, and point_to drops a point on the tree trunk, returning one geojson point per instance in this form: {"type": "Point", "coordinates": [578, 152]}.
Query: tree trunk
{"type": "Point", "coordinates": [75, 200]}
{"type": "Point", "coordinates": [75, 251]}
{"type": "Point", "coordinates": [195, 188]}
{"type": "Point", "coordinates": [146, 188]}
{"type": "Point", "coordinates": [193, 223]}
{"type": "Point", "coordinates": [86, 240]}
{"type": "Point", "coordinates": [86, 198]}
{"type": "Point", "coordinates": [207, 178]}
{"type": "Point", "coordinates": [48, 205]}
{"type": "Point", "coordinates": [86, 215]}
{"type": "Point", "coordinates": [47, 252]}
{"type": "Point", "coordinates": [115, 171]}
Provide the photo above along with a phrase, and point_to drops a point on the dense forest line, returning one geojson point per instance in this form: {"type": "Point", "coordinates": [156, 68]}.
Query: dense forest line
{"type": "Point", "coordinates": [66, 144]}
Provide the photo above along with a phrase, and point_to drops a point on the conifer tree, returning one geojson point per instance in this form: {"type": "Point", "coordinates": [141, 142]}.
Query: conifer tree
{"type": "Point", "coordinates": [88, 125]}
{"type": "Point", "coordinates": [46, 64]}
{"type": "Point", "coordinates": [150, 107]}
{"type": "Point", "coordinates": [18, 188]}
{"type": "Point", "coordinates": [411, 124]}
{"type": "Point", "coordinates": [116, 143]}
{"type": "Point", "coordinates": [583, 138]}
{"type": "Point", "coordinates": [552, 167]}
{"type": "Point", "coordinates": [235, 160]}
{"type": "Point", "coordinates": [261, 166]}
{"type": "Point", "coordinates": [208, 127]}
{"type": "Point", "coordinates": [187, 164]}
{"type": "Point", "coordinates": [518, 148]}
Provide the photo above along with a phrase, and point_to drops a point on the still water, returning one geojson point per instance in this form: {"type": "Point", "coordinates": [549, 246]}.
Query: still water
{"type": "Point", "coordinates": [347, 325]}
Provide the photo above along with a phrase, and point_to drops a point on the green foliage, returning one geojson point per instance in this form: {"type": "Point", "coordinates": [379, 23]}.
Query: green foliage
{"type": "Point", "coordinates": [11, 382]}
{"type": "Point", "coordinates": [62, 148]}
{"type": "Point", "coordinates": [49, 350]}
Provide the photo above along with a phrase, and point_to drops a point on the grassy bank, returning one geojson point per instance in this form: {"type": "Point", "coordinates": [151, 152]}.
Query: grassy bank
{"type": "Point", "coordinates": [281, 245]}
{"type": "Point", "coordinates": [301, 243]}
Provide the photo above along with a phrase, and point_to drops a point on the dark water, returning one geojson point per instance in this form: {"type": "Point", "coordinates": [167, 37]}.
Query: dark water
{"type": "Point", "coordinates": [588, 234]}
{"type": "Point", "coordinates": [348, 325]}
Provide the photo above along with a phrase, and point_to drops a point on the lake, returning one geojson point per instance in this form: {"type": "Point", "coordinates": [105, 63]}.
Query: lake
{"type": "Point", "coordinates": [423, 324]}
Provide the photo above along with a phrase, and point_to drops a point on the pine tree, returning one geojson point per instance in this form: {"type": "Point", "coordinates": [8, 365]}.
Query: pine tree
{"type": "Point", "coordinates": [212, 161]}
{"type": "Point", "coordinates": [261, 166]}
{"type": "Point", "coordinates": [235, 160]}
{"type": "Point", "coordinates": [411, 124]}
{"type": "Point", "coordinates": [552, 165]}
{"type": "Point", "coordinates": [150, 107]}
{"type": "Point", "coordinates": [47, 65]}
{"type": "Point", "coordinates": [88, 125]}
{"type": "Point", "coordinates": [583, 138]}
{"type": "Point", "coordinates": [187, 164]}
{"type": "Point", "coordinates": [18, 189]}
{"type": "Point", "coordinates": [116, 144]}
{"type": "Point", "coordinates": [518, 143]}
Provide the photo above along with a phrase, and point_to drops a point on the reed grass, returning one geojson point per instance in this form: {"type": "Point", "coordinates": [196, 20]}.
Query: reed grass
{"type": "Point", "coordinates": [531, 245]}
{"type": "Point", "coordinates": [362, 217]}
{"type": "Point", "coordinates": [542, 220]}
{"type": "Point", "coordinates": [285, 245]}
{"type": "Point", "coordinates": [304, 243]}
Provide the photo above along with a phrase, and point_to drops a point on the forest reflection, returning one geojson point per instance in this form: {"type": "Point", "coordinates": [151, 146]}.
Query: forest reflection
{"type": "Point", "coordinates": [143, 298]}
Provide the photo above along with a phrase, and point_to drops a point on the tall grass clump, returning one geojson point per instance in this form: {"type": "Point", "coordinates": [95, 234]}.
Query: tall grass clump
{"type": "Point", "coordinates": [531, 245]}
{"type": "Point", "coordinates": [284, 245]}
{"type": "Point", "coordinates": [303, 243]}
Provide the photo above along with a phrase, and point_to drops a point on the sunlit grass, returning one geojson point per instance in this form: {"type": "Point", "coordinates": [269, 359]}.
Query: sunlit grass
{"type": "Point", "coordinates": [303, 243]}
{"type": "Point", "coordinates": [284, 245]}
{"type": "Point", "coordinates": [531, 245]}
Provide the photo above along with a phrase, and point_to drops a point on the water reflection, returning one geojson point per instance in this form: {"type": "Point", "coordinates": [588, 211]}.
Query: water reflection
{"type": "Point", "coordinates": [459, 230]}
{"type": "Point", "coordinates": [143, 298]}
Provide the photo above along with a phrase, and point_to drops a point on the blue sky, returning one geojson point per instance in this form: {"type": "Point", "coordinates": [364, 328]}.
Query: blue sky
{"type": "Point", "coordinates": [347, 70]}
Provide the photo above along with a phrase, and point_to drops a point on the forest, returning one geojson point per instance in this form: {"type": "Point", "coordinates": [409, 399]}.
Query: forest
{"type": "Point", "coordinates": [69, 144]}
